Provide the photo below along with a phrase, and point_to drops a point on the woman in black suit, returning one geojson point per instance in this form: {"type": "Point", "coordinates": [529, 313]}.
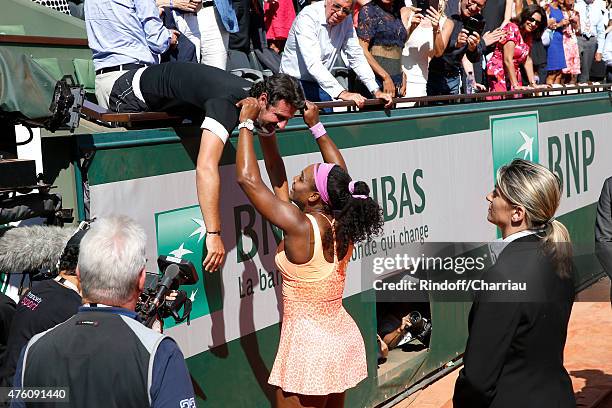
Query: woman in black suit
{"type": "Point", "coordinates": [514, 352]}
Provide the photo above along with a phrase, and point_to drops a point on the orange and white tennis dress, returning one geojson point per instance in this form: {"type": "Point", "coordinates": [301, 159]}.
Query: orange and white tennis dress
{"type": "Point", "coordinates": [321, 349]}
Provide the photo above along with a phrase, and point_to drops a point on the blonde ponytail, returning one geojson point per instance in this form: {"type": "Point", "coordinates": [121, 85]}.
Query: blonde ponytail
{"type": "Point", "coordinates": [539, 191]}
{"type": "Point", "coordinates": [557, 241]}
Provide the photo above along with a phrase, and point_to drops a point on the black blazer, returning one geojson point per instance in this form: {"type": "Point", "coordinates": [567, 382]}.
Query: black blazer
{"type": "Point", "coordinates": [603, 227]}
{"type": "Point", "coordinates": [514, 352]}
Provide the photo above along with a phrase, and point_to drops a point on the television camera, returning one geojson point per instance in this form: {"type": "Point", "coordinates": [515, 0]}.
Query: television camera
{"type": "Point", "coordinates": [157, 301]}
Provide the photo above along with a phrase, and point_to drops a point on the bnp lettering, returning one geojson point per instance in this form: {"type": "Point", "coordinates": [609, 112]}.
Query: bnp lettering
{"type": "Point", "coordinates": [569, 158]}
{"type": "Point", "coordinates": [256, 229]}
{"type": "Point", "coordinates": [400, 195]}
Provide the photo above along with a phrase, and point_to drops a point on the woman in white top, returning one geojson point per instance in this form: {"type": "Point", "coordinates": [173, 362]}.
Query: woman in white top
{"type": "Point", "coordinates": [420, 48]}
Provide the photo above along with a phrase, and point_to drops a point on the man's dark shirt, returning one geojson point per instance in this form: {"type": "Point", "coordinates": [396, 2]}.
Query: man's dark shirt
{"type": "Point", "coordinates": [44, 306]}
{"type": "Point", "coordinates": [449, 64]}
{"type": "Point", "coordinates": [493, 14]}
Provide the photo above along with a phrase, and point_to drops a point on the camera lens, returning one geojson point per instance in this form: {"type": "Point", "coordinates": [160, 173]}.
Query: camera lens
{"type": "Point", "coordinates": [414, 317]}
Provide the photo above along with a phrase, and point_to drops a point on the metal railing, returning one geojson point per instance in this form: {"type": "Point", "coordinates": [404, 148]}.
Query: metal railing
{"type": "Point", "coordinates": [43, 41]}
{"type": "Point", "coordinates": [97, 114]}
{"type": "Point", "coordinates": [479, 97]}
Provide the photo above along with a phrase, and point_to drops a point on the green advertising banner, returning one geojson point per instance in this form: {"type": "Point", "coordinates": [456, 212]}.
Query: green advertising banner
{"type": "Point", "coordinates": [430, 169]}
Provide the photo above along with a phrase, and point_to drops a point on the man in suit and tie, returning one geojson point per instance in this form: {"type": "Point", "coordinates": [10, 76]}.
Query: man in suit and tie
{"type": "Point", "coordinates": [603, 229]}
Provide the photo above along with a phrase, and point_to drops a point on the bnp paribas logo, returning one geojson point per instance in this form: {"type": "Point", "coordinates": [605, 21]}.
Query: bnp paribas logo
{"type": "Point", "coordinates": [514, 136]}
{"type": "Point", "coordinates": [181, 233]}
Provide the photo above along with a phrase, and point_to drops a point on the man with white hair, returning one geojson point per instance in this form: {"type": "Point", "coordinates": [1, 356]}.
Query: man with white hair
{"type": "Point", "coordinates": [318, 35]}
{"type": "Point", "coordinates": [103, 355]}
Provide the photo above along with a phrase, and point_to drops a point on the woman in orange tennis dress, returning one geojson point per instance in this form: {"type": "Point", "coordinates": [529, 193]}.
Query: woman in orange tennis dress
{"type": "Point", "coordinates": [321, 352]}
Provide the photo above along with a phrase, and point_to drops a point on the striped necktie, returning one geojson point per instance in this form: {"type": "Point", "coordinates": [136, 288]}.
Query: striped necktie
{"type": "Point", "coordinates": [587, 27]}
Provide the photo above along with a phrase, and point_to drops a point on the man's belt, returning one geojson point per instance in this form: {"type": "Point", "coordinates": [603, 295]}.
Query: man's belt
{"type": "Point", "coordinates": [208, 4]}
{"type": "Point", "coordinates": [123, 67]}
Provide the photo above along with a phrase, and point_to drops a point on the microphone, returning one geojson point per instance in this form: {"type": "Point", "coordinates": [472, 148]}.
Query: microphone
{"type": "Point", "coordinates": [170, 274]}
{"type": "Point", "coordinates": [33, 247]}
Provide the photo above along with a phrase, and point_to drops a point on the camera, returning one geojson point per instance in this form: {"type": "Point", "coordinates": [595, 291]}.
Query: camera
{"type": "Point", "coordinates": [420, 327]}
{"type": "Point", "coordinates": [426, 4]}
{"type": "Point", "coordinates": [474, 25]}
{"type": "Point", "coordinates": [152, 305]}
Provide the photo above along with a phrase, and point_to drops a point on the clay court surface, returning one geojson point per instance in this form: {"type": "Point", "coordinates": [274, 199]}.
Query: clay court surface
{"type": "Point", "coordinates": [588, 357]}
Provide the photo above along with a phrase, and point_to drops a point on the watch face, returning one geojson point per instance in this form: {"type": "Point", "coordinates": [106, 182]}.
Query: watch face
{"type": "Point", "coordinates": [247, 124]}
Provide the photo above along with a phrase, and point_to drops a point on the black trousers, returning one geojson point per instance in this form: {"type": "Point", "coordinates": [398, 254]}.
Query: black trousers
{"type": "Point", "coordinates": [183, 88]}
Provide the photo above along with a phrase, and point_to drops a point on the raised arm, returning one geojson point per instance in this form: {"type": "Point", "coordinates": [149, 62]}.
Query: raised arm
{"type": "Point", "coordinates": [411, 18]}
{"type": "Point", "coordinates": [275, 166]}
{"type": "Point", "coordinates": [328, 148]}
{"type": "Point", "coordinates": [281, 213]}
{"type": "Point", "coordinates": [508, 12]}
{"type": "Point", "coordinates": [441, 37]}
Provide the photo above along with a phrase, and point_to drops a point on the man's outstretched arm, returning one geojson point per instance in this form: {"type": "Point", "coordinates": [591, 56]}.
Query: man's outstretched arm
{"type": "Point", "coordinates": [208, 185]}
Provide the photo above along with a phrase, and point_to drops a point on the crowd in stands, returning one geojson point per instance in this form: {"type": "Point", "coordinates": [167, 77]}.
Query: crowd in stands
{"type": "Point", "coordinates": [404, 48]}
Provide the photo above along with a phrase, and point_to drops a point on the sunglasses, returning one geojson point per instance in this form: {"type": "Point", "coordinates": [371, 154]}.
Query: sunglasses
{"type": "Point", "coordinates": [533, 20]}
{"type": "Point", "coordinates": [338, 8]}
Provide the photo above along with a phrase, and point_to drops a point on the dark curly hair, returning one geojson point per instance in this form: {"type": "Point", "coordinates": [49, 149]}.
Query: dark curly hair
{"type": "Point", "coordinates": [280, 87]}
{"type": "Point", "coordinates": [526, 14]}
{"type": "Point", "coordinates": [357, 219]}
{"type": "Point", "coordinates": [69, 259]}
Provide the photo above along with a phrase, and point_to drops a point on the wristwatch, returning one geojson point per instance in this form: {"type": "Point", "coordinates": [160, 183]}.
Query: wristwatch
{"type": "Point", "coordinates": [249, 124]}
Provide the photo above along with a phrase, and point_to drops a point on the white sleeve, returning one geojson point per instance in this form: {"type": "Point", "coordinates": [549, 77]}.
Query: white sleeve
{"type": "Point", "coordinates": [310, 49]}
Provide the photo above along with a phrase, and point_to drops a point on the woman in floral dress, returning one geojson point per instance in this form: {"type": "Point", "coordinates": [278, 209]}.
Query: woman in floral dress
{"type": "Point", "coordinates": [503, 69]}
{"type": "Point", "coordinates": [570, 43]}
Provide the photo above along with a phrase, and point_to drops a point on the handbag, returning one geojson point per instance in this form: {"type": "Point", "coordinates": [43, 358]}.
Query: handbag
{"type": "Point", "coordinates": [598, 70]}
{"type": "Point", "coordinates": [546, 36]}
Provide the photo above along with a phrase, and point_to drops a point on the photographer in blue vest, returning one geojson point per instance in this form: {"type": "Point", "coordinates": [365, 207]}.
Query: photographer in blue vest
{"type": "Point", "coordinates": [104, 356]}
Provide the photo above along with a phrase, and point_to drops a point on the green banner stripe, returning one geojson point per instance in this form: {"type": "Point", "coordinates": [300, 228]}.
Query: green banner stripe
{"type": "Point", "coordinates": [145, 153]}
